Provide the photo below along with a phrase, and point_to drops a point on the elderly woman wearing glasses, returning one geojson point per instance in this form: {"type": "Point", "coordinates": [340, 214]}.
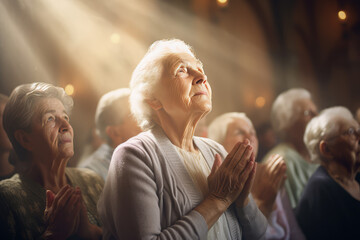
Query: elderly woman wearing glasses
{"type": "Point", "coordinates": [165, 183]}
{"type": "Point", "coordinates": [330, 205]}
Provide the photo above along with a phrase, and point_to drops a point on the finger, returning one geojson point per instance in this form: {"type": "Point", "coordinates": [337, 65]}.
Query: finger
{"type": "Point", "coordinates": [276, 163]}
{"type": "Point", "coordinates": [216, 164]}
{"type": "Point", "coordinates": [49, 198]}
{"type": "Point", "coordinates": [249, 167]}
{"type": "Point", "coordinates": [237, 158]}
{"type": "Point", "coordinates": [60, 193]}
{"type": "Point", "coordinates": [250, 181]}
{"type": "Point", "coordinates": [245, 158]}
{"type": "Point", "coordinates": [231, 154]}
{"type": "Point", "coordinates": [63, 199]}
{"type": "Point", "coordinates": [272, 160]}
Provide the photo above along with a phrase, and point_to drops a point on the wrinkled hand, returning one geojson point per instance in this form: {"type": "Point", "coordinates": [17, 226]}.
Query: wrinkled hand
{"type": "Point", "coordinates": [232, 179]}
{"type": "Point", "coordinates": [270, 177]}
{"type": "Point", "coordinates": [86, 230]}
{"type": "Point", "coordinates": [62, 213]}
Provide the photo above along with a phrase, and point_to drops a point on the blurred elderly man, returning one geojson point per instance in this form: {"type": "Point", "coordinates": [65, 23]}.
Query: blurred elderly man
{"type": "Point", "coordinates": [290, 113]}
{"type": "Point", "coordinates": [6, 169]}
{"type": "Point", "coordinates": [115, 125]}
{"type": "Point", "coordinates": [330, 205]}
{"type": "Point", "coordinates": [267, 190]}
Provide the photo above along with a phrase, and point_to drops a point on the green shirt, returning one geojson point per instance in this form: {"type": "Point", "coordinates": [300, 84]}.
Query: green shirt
{"type": "Point", "coordinates": [298, 171]}
{"type": "Point", "coordinates": [22, 203]}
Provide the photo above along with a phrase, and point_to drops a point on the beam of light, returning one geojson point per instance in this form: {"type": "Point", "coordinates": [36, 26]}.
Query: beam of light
{"type": "Point", "coordinates": [222, 3]}
{"type": "Point", "coordinates": [104, 40]}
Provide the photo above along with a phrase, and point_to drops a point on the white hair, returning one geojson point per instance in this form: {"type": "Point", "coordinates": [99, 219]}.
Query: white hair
{"type": "Point", "coordinates": [323, 126]}
{"type": "Point", "coordinates": [284, 111]}
{"type": "Point", "coordinates": [146, 76]}
{"type": "Point", "coordinates": [112, 109]}
{"type": "Point", "coordinates": [218, 127]}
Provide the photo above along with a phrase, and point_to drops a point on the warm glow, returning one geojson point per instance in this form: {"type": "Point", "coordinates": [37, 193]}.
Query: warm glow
{"type": "Point", "coordinates": [222, 3]}
{"type": "Point", "coordinates": [260, 102]}
{"type": "Point", "coordinates": [115, 38]}
{"type": "Point", "coordinates": [342, 15]}
{"type": "Point", "coordinates": [69, 89]}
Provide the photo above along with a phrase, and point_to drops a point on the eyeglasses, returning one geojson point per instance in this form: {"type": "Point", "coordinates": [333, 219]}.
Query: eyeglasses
{"type": "Point", "coordinates": [352, 132]}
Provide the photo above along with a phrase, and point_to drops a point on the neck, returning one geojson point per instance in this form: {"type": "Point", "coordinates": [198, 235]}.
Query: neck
{"type": "Point", "coordinates": [180, 131]}
{"type": "Point", "coordinates": [5, 167]}
{"type": "Point", "coordinates": [49, 174]}
{"type": "Point", "coordinates": [340, 173]}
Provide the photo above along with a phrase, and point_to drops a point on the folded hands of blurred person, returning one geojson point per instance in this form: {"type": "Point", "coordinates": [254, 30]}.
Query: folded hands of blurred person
{"type": "Point", "coordinates": [270, 177]}
{"type": "Point", "coordinates": [230, 180]}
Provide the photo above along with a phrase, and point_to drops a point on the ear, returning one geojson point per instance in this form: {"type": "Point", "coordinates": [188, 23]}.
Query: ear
{"type": "Point", "coordinates": [23, 139]}
{"type": "Point", "coordinates": [154, 104]}
{"type": "Point", "coordinates": [324, 149]}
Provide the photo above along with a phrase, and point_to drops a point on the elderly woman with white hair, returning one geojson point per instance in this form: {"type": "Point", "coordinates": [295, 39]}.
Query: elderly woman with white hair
{"type": "Point", "coordinates": [268, 192]}
{"type": "Point", "coordinates": [45, 199]}
{"type": "Point", "coordinates": [165, 183]}
{"type": "Point", "coordinates": [330, 205]}
{"type": "Point", "coordinates": [290, 113]}
{"type": "Point", "coordinates": [115, 125]}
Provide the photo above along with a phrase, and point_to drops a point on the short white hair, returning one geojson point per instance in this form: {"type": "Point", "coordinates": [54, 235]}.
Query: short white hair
{"type": "Point", "coordinates": [218, 127]}
{"type": "Point", "coordinates": [112, 109]}
{"type": "Point", "coordinates": [146, 76]}
{"type": "Point", "coordinates": [284, 111]}
{"type": "Point", "coordinates": [323, 126]}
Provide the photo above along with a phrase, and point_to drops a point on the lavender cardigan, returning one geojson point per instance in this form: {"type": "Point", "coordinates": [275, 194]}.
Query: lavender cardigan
{"type": "Point", "coordinates": [148, 194]}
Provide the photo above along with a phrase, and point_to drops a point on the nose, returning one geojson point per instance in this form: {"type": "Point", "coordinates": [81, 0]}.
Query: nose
{"type": "Point", "coordinates": [64, 126]}
{"type": "Point", "coordinates": [199, 77]}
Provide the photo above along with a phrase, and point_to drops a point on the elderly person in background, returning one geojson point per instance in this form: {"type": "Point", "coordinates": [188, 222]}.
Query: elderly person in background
{"type": "Point", "coordinates": [268, 192]}
{"type": "Point", "coordinates": [115, 125]}
{"type": "Point", "coordinates": [290, 113]}
{"type": "Point", "coordinates": [45, 199]}
{"type": "Point", "coordinates": [6, 169]}
{"type": "Point", "coordinates": [330, 205]}
{"type": "Point", "coordinates": [165, 183]}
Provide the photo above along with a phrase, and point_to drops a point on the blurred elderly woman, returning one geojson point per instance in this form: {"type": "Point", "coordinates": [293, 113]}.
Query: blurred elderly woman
{"type": "Point", "coordinates": [290, 113]}
{"type": "Point", "coordinates": [6, 169]}
{"type": "Point", "coordinates": [267, 190]}
{"type": "Point", "coordinates": [330, 205]}
{"type": "Point", "coordinates": [165, 183]}
{"type": "Point", "coordinates": [45, 199]}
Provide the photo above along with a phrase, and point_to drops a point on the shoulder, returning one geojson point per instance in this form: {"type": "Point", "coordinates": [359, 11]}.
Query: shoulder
{"type": "Point", "coordinates": [10, 185]}
{"type": "Point", "coordinates": [85, 178]}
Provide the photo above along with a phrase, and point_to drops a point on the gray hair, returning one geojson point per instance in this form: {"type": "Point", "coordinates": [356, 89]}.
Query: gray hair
{"type": "Point", "coordinates": [324, 126]}
{"type": "Point", "coordinates": [112, 109]}
{"type": "Point", "coordinates": [284, 111]}
{"type": "Point", "coordinates": [146, 76]}
{"type": "Point", "coordinates": [218, 127]}
{"type": "Point", "coordinates": [20, 108]}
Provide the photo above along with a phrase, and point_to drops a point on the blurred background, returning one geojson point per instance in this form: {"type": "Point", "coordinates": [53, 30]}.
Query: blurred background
{"type": "Point", "coordinates": [251, 49]}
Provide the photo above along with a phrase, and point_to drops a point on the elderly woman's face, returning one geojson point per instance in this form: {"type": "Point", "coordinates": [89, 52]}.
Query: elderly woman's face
{"type": "Point", "coordinates": [237, 131]}
{"type": "Point", "coordinates": [183, 87]}
{"type": "Point", "coordinates": [344, 147]}
{"type": "Point", "coordinates": [5, 144]}
{"type": "Point", "coordinates": [51, 133]}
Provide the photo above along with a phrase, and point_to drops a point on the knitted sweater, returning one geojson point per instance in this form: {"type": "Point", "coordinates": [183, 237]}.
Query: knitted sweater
{"type": "Point", "coordinates": [149, 194]}
{"type": "Point", "coordinates": [22, 203]}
